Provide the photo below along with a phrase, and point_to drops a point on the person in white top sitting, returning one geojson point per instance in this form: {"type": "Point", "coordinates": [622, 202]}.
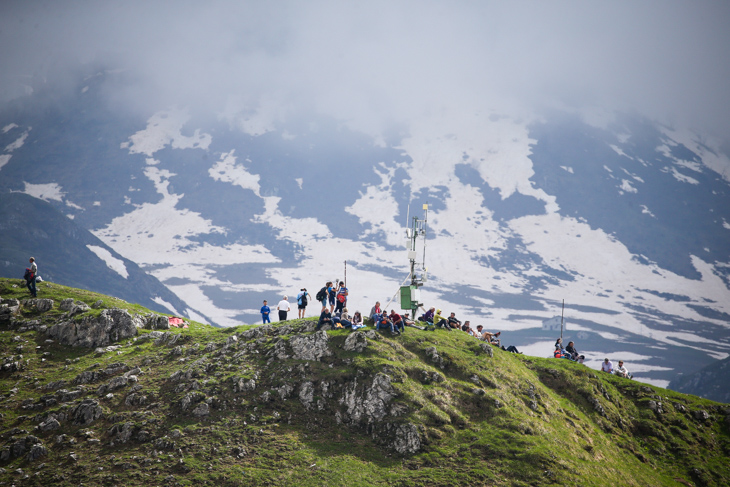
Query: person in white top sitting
{"type": "Point", "coordinates": [284, 307]}
{"type": "Point", "coordinates": [607, 366]}
{"type": "Point", "coordinates": [621, 370]}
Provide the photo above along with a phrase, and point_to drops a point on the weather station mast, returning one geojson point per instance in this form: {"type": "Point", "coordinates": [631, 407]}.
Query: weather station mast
{"type": "Point", "coordinates": [410, 295]}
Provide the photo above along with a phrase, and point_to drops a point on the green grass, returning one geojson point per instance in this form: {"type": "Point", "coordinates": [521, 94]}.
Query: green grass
{"type": "Point", "coordinates": [504, 420]}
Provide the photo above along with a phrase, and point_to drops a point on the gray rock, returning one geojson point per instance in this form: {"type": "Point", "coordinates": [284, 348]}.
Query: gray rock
{"type": "Point", "coordinates": [73, 308]}
{"type": "Point", "coordinates": [656, 406]}
{"type": "Point", "coordinates": [355, 342]}
{"type": "Point", "coordinates": [37, 451]}
{"type": "Point", "coordinates": [243, 385]}
{"type": "Point", "coordinates": [112, 325]}
{"type": "Point", "coordinates": [310, 347]}
{"type": "Point", "coordinates": [121, 433]}
{"type": "Point", "coordinates": [201, 410]}
{"type": "Point", "coordinates": [156, 322]}
{"type": "Point", "coordinates": [486, 348]}
{"type": "Point", "coordinates": [406, 438]}
{"type": "Point", "coordinates": [306, 394]}
{"type": "Point", "coordinates": [701, 415]}
{"type": "Point", "coordinates": [50, 425]}
{"type": "Point", "coordinates": [86, 412]}
{"type": "Point", "coordinates": [41, 305]}
{"type": "Point", "coordinates": [87, 377]}
{"type": "Point", "coordinates": [433, 356]}
{"type": "Point", "coordinates": [368, 404]}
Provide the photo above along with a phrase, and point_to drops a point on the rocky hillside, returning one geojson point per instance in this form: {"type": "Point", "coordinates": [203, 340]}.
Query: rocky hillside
{"type": "Point", "coordinates": [98, 391]}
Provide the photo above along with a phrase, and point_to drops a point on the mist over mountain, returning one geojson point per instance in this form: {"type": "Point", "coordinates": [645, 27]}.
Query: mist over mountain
{"type": "Point", "coordinates": [625, 219]}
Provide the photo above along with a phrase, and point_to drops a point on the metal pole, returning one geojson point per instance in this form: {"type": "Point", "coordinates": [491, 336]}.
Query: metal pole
{"type": "Point", "coordinates": [345, 273]}
{"type": "Point", "coordinates": [561, 320]}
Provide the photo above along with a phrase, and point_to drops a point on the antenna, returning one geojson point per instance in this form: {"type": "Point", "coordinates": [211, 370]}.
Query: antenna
{"type": "Point", "coordinates": [410, 295]}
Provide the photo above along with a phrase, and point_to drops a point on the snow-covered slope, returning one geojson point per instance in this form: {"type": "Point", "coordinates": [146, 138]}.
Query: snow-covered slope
{"type": "Point", "coordinates": [625, 220]}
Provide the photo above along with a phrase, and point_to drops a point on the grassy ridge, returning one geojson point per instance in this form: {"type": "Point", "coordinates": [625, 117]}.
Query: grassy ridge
{"type": "Point", "coordinates": [503, 419]}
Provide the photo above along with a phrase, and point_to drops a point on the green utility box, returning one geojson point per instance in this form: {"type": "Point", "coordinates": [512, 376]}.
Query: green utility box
{"type": "Point", "coordinates": [409, 297]}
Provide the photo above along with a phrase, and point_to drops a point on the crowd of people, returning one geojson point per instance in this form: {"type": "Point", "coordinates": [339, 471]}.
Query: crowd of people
{"type": "Point", "coordinates": [333, 297]}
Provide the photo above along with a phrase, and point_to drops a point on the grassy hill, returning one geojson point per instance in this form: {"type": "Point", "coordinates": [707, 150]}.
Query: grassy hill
{"type": "Point", "coordinates": [285, 405]}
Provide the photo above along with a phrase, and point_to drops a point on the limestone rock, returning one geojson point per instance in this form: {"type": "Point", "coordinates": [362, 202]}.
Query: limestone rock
{"type": "Point", "coordinates": [310, 347]}
{"type": "Point", "coordinates": [112, 325]}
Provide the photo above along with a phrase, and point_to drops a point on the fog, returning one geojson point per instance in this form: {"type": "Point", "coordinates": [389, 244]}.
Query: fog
{"type": "Point", "coordinates": [377, 63]}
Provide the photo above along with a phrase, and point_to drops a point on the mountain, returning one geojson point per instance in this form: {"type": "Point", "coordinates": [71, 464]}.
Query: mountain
{"type": "Point", "coordinates": [624, 219]}
{"type": "Point", "coordinates": [68, 253]}
{"type": "Point", "coordinates": [710, 381]}
{"type": "Point", "coordinates": [285, 404]}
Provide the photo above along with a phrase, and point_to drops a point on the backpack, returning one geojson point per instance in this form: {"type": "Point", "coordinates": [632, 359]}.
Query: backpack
{"type": "Point", "coordinates": [341, 298]}
{"type": "Point", "coordinates": [321, 294]}
{"type": "Point", "coordinates": [27, 275]}
{"type": "Point", "coordinates": [303, 299]}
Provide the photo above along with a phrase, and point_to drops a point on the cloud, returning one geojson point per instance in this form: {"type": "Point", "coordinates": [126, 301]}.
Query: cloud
{"type": "Point", "coordinates": [382, 61]}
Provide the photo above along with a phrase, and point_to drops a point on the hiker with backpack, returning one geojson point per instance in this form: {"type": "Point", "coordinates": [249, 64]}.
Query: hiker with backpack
{"type": "Point", "coordinates": [331, 294]}
{"type": "Point", "coordinates": [30, 273]}
{"type": "Point", "coordinates": [302, 301]}
{"type": "Point", "coordinates": [341, 297]}
{"type": "Point", "coordinates": [322, 294]}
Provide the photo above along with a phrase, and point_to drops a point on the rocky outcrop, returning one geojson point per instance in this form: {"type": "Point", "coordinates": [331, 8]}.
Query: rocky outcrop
{"type": "Point", "coordinates": [39, 305]}
{"type": "Point", "coordinates": [73, 308]}
{"type": "Point", "coordinates": [310, 347]}
{"type": "Point", "coordinates": [156, 322]}
{"type": "Point", "coordinates": [8, 308]}
{"type": "Point", "coordinates": [112, 325]}
{"type": "Point", "coordinates": [358, 341]}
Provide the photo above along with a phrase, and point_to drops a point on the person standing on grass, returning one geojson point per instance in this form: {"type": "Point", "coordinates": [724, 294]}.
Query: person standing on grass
{"type": "Point", "coordinates": [303, 299]}
{"type": "Point", "coordinates": [284, 307]}
{"type": "Point", "coordinates": [30, 283]}
{"type": "Point", "coordinates": [265, 313]}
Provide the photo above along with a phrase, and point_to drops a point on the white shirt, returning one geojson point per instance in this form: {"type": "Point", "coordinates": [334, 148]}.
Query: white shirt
{"type": "Point", "coordinates": [607, 366]}
{"type": "Point", "coordinates": [283, 305]}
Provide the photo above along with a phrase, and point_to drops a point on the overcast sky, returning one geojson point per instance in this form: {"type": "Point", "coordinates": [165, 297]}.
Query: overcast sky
{"type": "Point", "coordinates": [389, 61]}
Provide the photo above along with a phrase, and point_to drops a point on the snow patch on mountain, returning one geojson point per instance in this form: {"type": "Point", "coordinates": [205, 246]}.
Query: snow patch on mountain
{"type": "Point", "coordinates": [228, 171]}
{"type": "Point", "coordinates": [4, 159]}
{"type": "Point", "coordinates": [45, 192]}
{"type": "Point", "coordinates": [117, 265]}
{"type": "Point", "coordinates": [163, 129]}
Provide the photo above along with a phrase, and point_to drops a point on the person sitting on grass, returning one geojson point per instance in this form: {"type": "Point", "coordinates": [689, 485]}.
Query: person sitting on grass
{"type": "Point", "coordinates": [488, 336]}
{"type": "Point", "coordinates": [345, 319]}
{"type": "Point", "coordinates": [428, 316]}
{"type": "Point", "coordinates": [607, 366]}
{"type": "Point", "coordinates": [621, 370]}
{"type": "Point", "coordinates": [453, 322]}
{"type": "Point", "coordinates": [560, 353]}
{"type": "Point", "coordinates": [574, 353]}
{"type": "Point", "coordinates": [357, 321]}
{"type": "Point", "coordinates": [324, 319]}
{"type": "Point", "coordinates": [384, 322]}
{"type": "Point", "coordinates": [440, 321]}
{"type": "Point", "coordinates": [397, 320]}
{"type": "Point", "coordinates": [375, 310]}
